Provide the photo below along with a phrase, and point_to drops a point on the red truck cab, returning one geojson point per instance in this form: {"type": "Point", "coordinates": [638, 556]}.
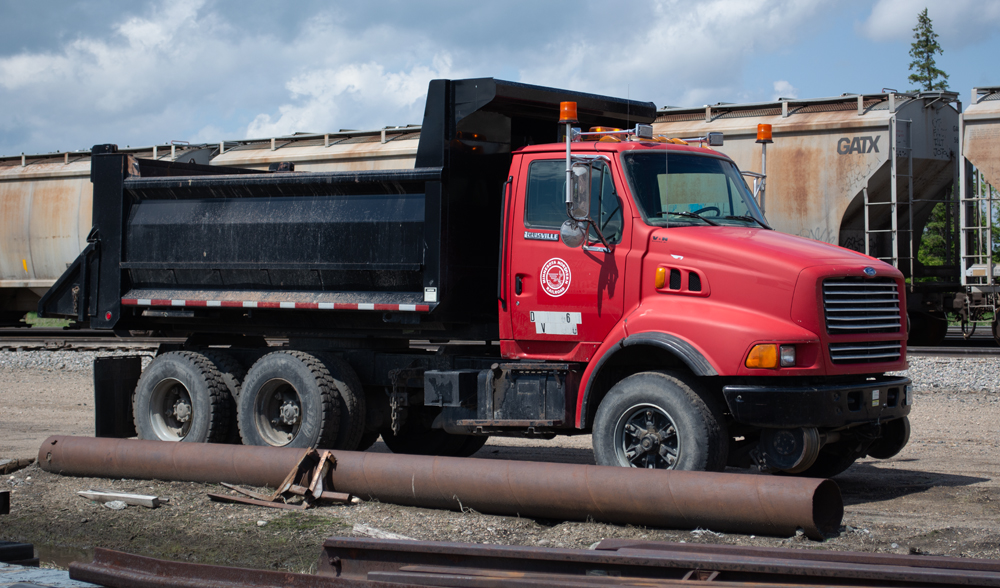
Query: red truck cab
{"type": "Point", "coordinates": [707, 337]}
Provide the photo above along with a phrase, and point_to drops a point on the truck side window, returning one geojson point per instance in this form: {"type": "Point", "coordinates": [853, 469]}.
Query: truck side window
{"type": "Point", "coordinates": [545, 205]}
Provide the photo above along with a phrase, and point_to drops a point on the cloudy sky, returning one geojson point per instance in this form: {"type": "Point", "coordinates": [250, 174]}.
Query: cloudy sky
{"type": "Point", "coordinates": [73, 74]}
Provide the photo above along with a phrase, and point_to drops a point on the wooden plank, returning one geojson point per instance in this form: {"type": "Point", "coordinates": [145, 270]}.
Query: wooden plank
{"type": "Point", "coordinates": [253, 501]}
{"type": "Point", "coordinates": [130, 499]}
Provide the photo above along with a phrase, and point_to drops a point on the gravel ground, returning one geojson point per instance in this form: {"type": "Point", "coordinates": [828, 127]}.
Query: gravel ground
{"type": "Point", "coordinates": [940, 495]}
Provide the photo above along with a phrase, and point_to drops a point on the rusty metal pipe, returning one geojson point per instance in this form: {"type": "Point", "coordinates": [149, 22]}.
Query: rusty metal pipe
{"type": "Point", "coordinates": [738, 503]}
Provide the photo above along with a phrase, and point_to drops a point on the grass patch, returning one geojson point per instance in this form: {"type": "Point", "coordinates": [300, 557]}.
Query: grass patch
{"type": "Point", "coordinates": [297, 521]}
{"type": "Point", "coordinates": [48, 323]}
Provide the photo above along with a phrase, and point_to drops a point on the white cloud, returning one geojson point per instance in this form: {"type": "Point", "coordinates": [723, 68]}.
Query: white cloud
{"type": "Point", "coordinates": [784, 89]}
{"type": "Point", "coordinates": [957, 22]}
{"type": "Point", "coordinates": [353, 94]}
{"type": "Point", "coordinates": [684, 52]}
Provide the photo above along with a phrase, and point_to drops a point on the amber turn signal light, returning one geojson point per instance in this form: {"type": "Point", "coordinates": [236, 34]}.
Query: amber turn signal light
{"type": "Point", "coordinates": [763, 356]}
{"type": "Point", "coordinates": [567, 112]}
{"type": "Point", "coordinates": [661, 277]}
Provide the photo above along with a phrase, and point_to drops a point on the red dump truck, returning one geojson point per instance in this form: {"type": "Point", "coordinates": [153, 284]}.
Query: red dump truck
{"type": "Point", "coordinates": [523, 278]}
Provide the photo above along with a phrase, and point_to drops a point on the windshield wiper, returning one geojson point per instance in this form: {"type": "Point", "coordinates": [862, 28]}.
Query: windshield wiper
{"type": "Point", "coordinates": [688, 215]}
{"type": "Point", "coordinates": [747, 217]}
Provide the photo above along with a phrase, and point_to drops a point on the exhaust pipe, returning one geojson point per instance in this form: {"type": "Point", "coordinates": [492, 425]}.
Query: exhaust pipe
{"type": "Point", "coordinates": [736, 503]}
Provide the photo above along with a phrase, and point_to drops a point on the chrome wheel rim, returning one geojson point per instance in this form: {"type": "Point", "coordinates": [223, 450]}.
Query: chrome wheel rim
{"type": "Point", "coordinates": [278, 410]}
{"type": "Point", "coordinates": [646, 437]}
{"type": "Point", "coordinates": [170, 410]}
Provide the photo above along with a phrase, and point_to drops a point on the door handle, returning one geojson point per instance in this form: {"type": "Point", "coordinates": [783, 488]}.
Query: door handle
{"type": "Point", "coordinates": [517, 285]}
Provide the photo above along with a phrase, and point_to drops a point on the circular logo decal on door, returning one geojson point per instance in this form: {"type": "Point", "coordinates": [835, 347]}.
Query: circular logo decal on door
{"type": "Point", "coordinates": [555, 277]}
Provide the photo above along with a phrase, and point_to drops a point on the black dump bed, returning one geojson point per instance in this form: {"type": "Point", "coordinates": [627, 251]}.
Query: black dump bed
{"type": "Point", "coordinates": [187, 248]}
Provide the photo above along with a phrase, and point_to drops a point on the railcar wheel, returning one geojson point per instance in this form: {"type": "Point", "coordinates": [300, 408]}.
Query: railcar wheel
{"type": "Point", "coordinates": [181, 396]}
{"type": "Point", "coordinates": [657, 420]}
{"type": "Point", "coordinates": [289, 399]}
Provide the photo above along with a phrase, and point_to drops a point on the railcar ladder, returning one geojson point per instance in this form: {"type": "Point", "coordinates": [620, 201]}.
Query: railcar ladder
{"type": "Point", "coordinates": [980, 208]}
{"type": "Point", "coordinates": [979, 211]}
{"type": "Point", "coordinates": [896, 151]}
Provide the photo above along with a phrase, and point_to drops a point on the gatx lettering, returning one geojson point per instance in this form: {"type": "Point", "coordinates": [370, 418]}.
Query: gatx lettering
{"type": "Point", "coordinates": [846, 146]}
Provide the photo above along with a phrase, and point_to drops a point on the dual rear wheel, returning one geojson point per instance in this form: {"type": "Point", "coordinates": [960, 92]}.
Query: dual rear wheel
{"type": "Point", "coordinates": [288, 398]}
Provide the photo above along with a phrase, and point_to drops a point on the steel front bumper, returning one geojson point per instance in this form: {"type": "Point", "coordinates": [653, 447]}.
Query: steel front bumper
{"type": "Point", "coordinates": [879, 400]}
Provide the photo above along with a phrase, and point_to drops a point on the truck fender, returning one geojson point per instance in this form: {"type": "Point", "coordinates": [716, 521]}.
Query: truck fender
{"type": "Point", "coordinates": [683, 350]}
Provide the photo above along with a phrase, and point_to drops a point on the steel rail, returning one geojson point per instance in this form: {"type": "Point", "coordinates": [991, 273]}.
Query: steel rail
{"type": "Point", "coordinates": [371, 563]}
{"type": "Point", "coordinates": [739, 503]}
{"type": "Point", "coordinates": [637, 562]}
{"type": "Point", "coordinates": [114, 569]}
{"type": "Point", "coordinates": [878, 559]}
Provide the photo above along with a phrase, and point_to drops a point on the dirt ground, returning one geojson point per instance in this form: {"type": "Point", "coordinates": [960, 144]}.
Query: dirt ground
{"type": "Point", "coordinates": [939, 496]}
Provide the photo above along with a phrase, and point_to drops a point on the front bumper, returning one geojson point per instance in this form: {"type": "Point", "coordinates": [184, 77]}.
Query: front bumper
{"type": "Point", "coordinates": [827, 406]}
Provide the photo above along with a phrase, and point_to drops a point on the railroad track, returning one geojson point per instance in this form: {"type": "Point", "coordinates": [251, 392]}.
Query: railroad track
{"type": "Point", "coordinates": [360, 563]}
{"type": "Point", "coordinates": [75, 339]}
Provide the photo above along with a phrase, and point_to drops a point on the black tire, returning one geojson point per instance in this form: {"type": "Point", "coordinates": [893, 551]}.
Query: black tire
{"type": "Point", "coordinates": [233, 373]}
{"type": "Point", "coordinates": [181, 396]}
{"type": "Point", "coordinates": [368, 438]}
{"type": "Point", "coordinates": [418, 439]}
{"type": "Point", "coordinates": [827, 465]}
{"type": "Point", "coordinates": [471, 445]}
{"type": "Point", "coordinates": [415, 440]}
{"type": "Point", "coordinates": [682, 430]}
{"type": "Point", "coordinates": [289, 399]}
{"type": "Point", "coordinates": [350, 401]}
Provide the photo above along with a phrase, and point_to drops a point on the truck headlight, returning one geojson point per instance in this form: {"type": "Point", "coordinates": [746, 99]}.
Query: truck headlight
{"type": "Point", "coordinates": [787, 355]}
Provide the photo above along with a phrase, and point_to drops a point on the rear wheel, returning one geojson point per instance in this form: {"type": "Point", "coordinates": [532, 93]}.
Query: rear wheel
{"type": "Point", "coordinates": [233, 373]}
{"type": "Point", "coordinates": [350, 400]}
{"type": "Point", "coordinates": [289, 399]}
{"type": "Point", "coordinates": [658, 420]}
{"type": "Point", "coordinates": [182, 396]}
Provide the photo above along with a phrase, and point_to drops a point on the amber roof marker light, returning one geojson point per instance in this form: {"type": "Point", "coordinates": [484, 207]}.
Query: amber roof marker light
{"type": "Point", "coordinates": [567, 112]}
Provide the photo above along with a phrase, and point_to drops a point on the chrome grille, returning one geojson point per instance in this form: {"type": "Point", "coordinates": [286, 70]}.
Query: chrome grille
{"type": "Point", "coordinates": [867, 352]}
{"type": "Point", "coordinates": [856, 306]}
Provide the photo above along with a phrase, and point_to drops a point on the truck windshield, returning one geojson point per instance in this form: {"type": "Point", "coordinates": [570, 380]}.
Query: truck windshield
{"type": "Point", "coordinates": [678, 189]}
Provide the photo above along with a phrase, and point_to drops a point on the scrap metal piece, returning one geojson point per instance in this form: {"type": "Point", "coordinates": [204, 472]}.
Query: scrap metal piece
{"type": "Point", "coordinates": [737, 503]}
{"type": "Point", "coordinates": [256, 502]}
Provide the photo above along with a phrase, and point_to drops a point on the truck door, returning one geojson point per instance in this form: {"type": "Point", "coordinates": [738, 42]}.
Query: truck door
{"type": "Point", "coordinates": [561, 295]}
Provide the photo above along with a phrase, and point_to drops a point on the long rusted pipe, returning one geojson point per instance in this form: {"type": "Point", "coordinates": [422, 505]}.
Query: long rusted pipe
{"type": "Point", "coordinates": [723, 502]}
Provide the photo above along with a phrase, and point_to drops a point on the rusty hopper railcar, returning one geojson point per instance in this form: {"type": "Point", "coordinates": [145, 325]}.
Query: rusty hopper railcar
{"type": "Point", "coordinates": [46, 200]}
{"type": "Point", "coordinates": [980, 174]}
{"type": "Point", "coordinates": [839, 166]}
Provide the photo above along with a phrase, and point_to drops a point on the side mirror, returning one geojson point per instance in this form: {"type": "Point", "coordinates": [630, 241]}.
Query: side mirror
{"type": "Point", "coordinates": [579, 207]}
{"type": "Point", "coordinates": [572, 234]}
{"type": "Point", "coordinates": [715, 139]}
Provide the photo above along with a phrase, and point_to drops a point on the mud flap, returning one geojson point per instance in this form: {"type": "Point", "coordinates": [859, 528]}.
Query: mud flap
{"type": "Point", "coordinates": [115, 379]}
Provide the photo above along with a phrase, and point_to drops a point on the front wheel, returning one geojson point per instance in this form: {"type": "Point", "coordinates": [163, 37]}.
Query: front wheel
{"type": "Point", "coordinates": [658, 420]}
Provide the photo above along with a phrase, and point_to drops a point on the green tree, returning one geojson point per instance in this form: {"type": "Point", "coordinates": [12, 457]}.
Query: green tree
{"type": "Point", "coordinates": [922, 50]}
{"type": "Point", "coordinates": [934, 246]}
